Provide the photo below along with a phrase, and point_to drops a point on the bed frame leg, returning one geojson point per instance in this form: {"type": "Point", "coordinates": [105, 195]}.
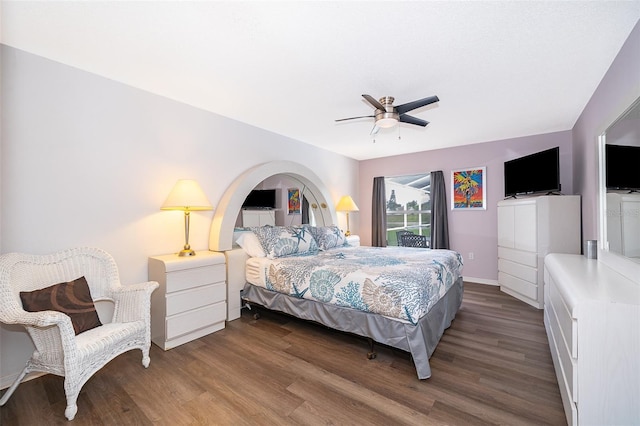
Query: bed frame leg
{"type": "Point", "coordinates": [256, 314]}
{"type": "Point", "coordinates": [372, 353]}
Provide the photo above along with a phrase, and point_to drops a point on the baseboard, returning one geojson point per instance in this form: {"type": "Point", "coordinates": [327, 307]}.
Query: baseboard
{"type": "Point", "coordinates": [7, 381]}
{"type": "Point", "coordinates": [480, 281]}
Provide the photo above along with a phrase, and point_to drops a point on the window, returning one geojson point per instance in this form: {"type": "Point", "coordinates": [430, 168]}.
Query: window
{"type": "Point", "coordinates": [408, 205]}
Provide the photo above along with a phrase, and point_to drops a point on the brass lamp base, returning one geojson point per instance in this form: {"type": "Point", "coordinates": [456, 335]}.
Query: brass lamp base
{"type": "Point", "coordinates": [346, 234]}
{"type": "Point", "coordinates": [187, 252]}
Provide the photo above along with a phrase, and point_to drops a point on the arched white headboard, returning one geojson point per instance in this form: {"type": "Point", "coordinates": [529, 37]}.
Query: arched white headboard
{"type": "Point", "coordinates": [224, 219]}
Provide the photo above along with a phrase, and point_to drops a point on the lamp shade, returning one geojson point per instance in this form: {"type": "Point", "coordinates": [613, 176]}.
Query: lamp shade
{"type": "Point", "coordinates": [346, 204]}
{"type": "Point", "coordinates": [186, 195]}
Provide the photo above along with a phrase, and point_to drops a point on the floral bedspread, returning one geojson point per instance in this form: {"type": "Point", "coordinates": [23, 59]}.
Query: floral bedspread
{"type": "Point", "coordinates": [397, 282]}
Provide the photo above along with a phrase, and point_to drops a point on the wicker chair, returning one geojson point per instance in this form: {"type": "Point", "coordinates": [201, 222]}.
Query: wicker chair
{"type": "Point", "coordinates": [400, 233]}
{"type": "Point", "coordinates": [413, 240]}
{"type": "Point", "coordinates": [58, 350]}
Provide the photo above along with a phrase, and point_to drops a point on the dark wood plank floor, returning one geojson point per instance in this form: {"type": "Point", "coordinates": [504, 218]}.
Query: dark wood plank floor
{"type": "Point", "coordinates": [492, 366]}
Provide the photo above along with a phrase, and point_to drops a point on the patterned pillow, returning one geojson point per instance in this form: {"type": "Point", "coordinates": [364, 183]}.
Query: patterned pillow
{"type": "Point", "coordinates": [280, 241]}
{"type": "Point", "coordinates": [328, 237]}
{"type": "Point", "coordinates": [72, 298]}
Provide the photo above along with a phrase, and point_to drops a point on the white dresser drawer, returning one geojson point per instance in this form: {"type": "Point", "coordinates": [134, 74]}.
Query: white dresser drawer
{"type": "Point", "coordinates": [518, 270]}
{"type": "Point", "coordinates": [194, 298]}
{"type": "Point", "coordinates": [567, 362]}
{"type": "Point", "coordinates": [187, 322]}
{"type": "Point", "coordinates": [565, 385]}
{"type": "Point", "coordinates": [527, 258]}
{"type": "Point", "coordinates": [189, 278]}
{"type": "Point", "coordinates": [521, 286]}
{"type": "Point", "coordinates": [568, 326]}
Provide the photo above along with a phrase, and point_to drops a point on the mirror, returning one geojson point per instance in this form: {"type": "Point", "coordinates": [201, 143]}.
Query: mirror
{"type": "Point", "coordinates": [311, 210]}
{"type": "Point", "coordinates": [620, 195]}
{"type": "Point", "coordinates": [229, 206]}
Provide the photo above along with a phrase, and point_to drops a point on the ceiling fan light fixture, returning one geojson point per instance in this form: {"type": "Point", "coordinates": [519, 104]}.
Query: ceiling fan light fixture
{"type": "Point", "coordinates": [385, 119]}
{"type": "Point", "coordinates": [386, 115]}
{"type": "Point", "coordinates": [386, 123]}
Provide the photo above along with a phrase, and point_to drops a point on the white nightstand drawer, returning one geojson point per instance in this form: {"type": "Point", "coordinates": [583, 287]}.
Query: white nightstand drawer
{"type": "Point", "coordinates": [189, 278]}
{"type": "Point", "coordinates": [194, 298]}
{"type": "Point", "coordinates": [187, 322]}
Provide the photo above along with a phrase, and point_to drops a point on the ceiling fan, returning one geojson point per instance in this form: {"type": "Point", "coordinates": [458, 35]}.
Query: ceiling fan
{"type": "Point", "coordinates": [387, 115]}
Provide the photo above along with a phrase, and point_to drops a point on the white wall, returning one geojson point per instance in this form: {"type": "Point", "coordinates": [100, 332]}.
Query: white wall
{"type": "Point", "coordinates": [88, 161]}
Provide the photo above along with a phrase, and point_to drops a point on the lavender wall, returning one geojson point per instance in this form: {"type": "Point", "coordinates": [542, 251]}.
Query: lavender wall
{"type": "Point", "coordinates": [475, 231]}
{"type": "Point", "coordinates": [617, 90]}
{"type": "Point", "coordinates": [470, 231]}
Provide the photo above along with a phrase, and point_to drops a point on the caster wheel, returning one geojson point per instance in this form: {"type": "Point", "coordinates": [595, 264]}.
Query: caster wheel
{"type": "Point", "coordinates": [256, 316]}
{"type": "Point", "coordinates": [371, 355]}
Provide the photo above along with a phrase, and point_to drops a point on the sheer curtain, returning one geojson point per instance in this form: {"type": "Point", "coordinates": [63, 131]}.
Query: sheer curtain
{"type": "Point", "coordinates": [379, 214]}
{"type": "Point", "coordinates": [439, 222]}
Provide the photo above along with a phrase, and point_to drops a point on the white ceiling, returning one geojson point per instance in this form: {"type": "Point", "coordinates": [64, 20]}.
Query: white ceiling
{"type": "Point", "coordinates": [501, 69]}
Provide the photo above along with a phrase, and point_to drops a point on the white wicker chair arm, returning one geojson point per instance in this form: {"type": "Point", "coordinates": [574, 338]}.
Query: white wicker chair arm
{"type": "Point", "coordinates": [133, 302]}
{"type": "Point", "coordinates": [39, 319]}
{"type": "Point", "coordinates": [44, 326]}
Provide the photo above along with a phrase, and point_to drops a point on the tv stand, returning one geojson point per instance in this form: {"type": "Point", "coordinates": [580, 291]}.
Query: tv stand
{"type": "Point", "coordinates": [262, 217]}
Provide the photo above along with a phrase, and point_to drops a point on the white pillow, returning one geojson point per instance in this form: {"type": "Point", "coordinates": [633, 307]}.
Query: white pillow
{"type": "Point", "coordinates": [251, 244]}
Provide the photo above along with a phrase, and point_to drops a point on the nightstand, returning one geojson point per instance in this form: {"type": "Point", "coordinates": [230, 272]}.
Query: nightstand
{"type": "Point", "coordinates": [191, 300]}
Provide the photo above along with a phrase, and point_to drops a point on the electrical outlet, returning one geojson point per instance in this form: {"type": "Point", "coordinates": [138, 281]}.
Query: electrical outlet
{"type": "Point", "coordinates": [470, 255]}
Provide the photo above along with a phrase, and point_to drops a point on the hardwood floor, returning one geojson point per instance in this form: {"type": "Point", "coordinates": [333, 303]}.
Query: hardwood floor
{"type": "Point", "coordinates": [493, 366]}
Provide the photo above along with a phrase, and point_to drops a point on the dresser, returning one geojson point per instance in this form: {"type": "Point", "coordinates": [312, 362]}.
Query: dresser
{"type": "Point", "coordinates": [253, 218]}
{"type": "Point", "coordinates": [592, 319]}
{"type": "Point", "coordinates": [191, 300]}
{"type": "Point", "coordinates": [528, 229]}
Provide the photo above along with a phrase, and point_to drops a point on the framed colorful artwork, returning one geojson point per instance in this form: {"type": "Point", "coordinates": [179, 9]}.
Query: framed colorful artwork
{"type": "Point", "coordinates": [294, 201]}
{"type": "Point", "coordinates": [468, 191]}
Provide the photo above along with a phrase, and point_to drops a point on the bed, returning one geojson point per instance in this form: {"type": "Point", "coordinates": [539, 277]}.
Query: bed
{"type": "Point", "coordinates": [398, 296]}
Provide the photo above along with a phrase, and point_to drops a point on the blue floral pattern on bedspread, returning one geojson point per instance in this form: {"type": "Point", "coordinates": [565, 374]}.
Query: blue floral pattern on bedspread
{"type": "Point", "coordinates": [398, 282]}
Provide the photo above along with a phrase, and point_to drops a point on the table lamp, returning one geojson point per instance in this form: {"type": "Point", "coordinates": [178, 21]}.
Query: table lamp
{"type": "Point", "coordinates": [187, 196]}
{"type": "Point", "coordinates": [346, 204]}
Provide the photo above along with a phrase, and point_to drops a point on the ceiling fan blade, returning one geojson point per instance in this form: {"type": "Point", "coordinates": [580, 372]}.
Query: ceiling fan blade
{"type": "Point", "coordinates": [413, 120]}
{"type": "Point", "coordinates": [416, 104]}
{"type": "Point", "coordinates": [375, 130]}
{"type": "Point", "coordinates": [374, 103]}
{"type": "Point", "coordinates": [353, 118]}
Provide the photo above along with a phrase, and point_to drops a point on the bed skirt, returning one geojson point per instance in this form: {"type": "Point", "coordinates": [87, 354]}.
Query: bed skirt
{"type": "Point", "coordinates": [420, 340]}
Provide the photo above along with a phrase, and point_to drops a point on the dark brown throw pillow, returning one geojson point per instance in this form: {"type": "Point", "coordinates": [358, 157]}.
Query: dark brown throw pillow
{"type": "Point", "coordinates": [72, 298]}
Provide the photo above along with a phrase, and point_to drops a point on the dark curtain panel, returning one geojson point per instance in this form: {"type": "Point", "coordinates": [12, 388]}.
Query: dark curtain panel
{"type": "Point", "coordinates": [305, 210]}
{"type": "Point", "coordinates": [379, 214]}
{"type": "Point", "coordinates": [439, 222]}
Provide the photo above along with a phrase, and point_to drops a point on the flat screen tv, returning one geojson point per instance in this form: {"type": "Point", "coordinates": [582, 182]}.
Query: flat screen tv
{"type": "Point", "coordinates": [534, 173]}
{"type": "Point", "coordinates": [621, 163]}
{"type": "Point", "coordinates": [260, 199]}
